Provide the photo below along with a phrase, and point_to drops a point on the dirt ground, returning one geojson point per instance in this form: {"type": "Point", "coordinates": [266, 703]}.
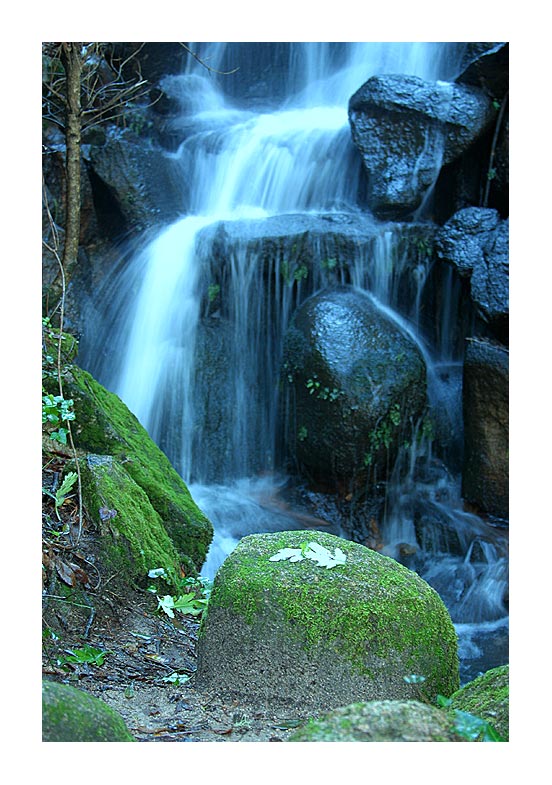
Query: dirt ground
{"type": "Point", "coordinates": [142, 649]}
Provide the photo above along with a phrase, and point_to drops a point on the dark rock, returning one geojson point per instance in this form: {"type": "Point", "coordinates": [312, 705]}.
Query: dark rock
{"type": "Point", "coordinates": [356, 385]}
{"type": "Point", "coordinates": [406, 129]}
{"type": "Point", "coordinates": [134, 185]}
{"type": "Point", "coordinates": [475, 241]}
{"type": "Point", "coordinates": [488, 69]}
{"type": "Point", "coordinates": [486, 446]}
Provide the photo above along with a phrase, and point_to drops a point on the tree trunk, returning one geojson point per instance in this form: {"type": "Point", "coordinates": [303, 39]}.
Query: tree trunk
{"type": "Point", "coordinates": [73, 64]}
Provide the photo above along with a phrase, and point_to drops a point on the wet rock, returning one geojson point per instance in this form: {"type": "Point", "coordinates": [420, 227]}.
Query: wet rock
{"type": "Point", "coordinates": [379, 721]}
{"type": "Point", "coordinates": [69, 714]}
{"type": "Point", "coordinates": [476, 242]}
{"type": "Point", "coordinates": [485, 476]}
{"type": "Point", "coordinates": [134, 185]}
{"type": "Point", "coordinates": [299, 635]}
{"type": "Point", "coordinates": [406, 129]}
{"type": "Point", "coordinates": [356, 386]}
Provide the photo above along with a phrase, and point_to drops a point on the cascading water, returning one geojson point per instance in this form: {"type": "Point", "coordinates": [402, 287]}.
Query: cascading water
{"type": "Point", "coordinates": [241, 167]}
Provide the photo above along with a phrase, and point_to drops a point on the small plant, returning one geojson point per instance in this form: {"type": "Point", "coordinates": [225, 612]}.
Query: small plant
{"type": "Point", "coordinates": [63, 492]}
{"type": "Point", "coordinates": [329, 264]}
{"type": "Point", "coordinates": [213, 292]}
{"type": "Point", "coordinates": [301, 273]}
{"type": "Point", "coordinates": [466, 725]}
{"type": "Point", "coordinates": [56, 410]}
{"type": "Point", "coordinates": [191, 597]}
{"type": "Point", "coordinates": [88, 654]}
{"type": "Point", "coordinates": [322, 393]}
{"type": "Point", "coordinates": [302, 433]}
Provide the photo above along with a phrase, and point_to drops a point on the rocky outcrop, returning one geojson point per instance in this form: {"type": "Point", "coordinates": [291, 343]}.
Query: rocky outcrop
{"type": "Point", "coordinates": [485, 477]}
{"type": "Point", "coordinates": [380, 721]}
{"type": "Point", "coordinates": [69, 714]}
{"type": "Point", "coordinates": [356, 386]}
{"type": "Point", "coordinates": [407, 129]}
{"type": "Point", "coordinates": [476, 242]}
{"type": "Point", "coordinates": [297, 634]}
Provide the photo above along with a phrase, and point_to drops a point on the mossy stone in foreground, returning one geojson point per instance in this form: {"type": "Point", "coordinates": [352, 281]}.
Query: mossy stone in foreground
{"type": "Point", "coordinates": [380, 721]}
{"type": "Point", "coordinates": [487, 697]}
{"type": "Point", "coordinates": [299, 634]}
{"type": "Point", "coordinates": [69, 714]}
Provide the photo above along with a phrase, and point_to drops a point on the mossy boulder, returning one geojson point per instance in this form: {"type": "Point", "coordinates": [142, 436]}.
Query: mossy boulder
{"type": "Point", "coordinates": [133, 539]}
{"type": "Point", "coordinates": [380, 721]}
{"type": "Point", "coordinates": [298, 634]}
{"type": "Point", "coordinates": [487, 697]}
{"type": "Point", "coordinates": [104, 425]}
{"type": "Point", "coordinates": [69, 714]}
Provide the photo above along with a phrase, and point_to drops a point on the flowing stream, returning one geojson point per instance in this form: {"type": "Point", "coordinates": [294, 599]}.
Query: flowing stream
{"type": "Point", "coordinates": [244, 161]}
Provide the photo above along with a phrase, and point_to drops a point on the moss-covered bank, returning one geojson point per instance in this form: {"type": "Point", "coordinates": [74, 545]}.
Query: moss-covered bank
{"type": "Point", "coordinates": [104, 426]}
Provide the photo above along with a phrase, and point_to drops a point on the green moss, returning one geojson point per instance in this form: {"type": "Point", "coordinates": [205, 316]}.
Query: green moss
{"type": "Point", "coordinates": [104, 426]}
{"type": "Point", "coordinates": [69, 714]}
{"type": "Point", "coordinates": [134, 540]}
{"type": "Point", "coordinates": [370, 598]}
{"type": "Point", "coordinates": [487, 697]}
{"type": "Point", "coordinates": [376, 721]}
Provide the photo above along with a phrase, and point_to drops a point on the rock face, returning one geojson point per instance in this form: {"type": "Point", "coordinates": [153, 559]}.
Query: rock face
{"type": "Point", "coordinates": [475, 242]}
{"type": "Point", "coordinates": [305, 636]}
{"type": "Point", "coordinates": [356, 384]}
{"type": "Point", "coordinates": [485, 478]}
{"type": "Point", "coordinates": [406, 129]}
{"type": "Point", "coordinates": [69, 714]}
{"type": "Point", "coordinates": [487, 697]}
{"type": "Point", "coordinates": [380, 721]}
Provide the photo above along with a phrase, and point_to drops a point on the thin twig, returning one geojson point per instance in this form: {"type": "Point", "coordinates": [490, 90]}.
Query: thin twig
{"type": "Point", "coordinates": [204, 64]}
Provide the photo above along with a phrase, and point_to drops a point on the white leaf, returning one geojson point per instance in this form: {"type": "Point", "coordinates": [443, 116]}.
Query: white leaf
{"type": "Point", "coordinates": [287, 553]}
{"type": "Point", "coordinates": [314, 552]}
{"type": "Point", "coordinates": [167, 604]}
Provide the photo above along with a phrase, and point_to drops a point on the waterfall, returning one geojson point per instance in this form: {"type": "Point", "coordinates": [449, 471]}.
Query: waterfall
{"type": "Point", "coordinates": [252, 150]}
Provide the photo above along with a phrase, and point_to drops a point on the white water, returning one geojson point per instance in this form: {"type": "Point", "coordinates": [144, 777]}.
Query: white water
{"type": "Point", "coordinates": [237, 164]}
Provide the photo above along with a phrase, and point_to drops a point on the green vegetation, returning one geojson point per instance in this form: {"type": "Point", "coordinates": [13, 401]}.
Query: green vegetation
{"type": "Point", "coordinates": [384, 603]}
{"type": "Point", "coordinates": [69, 714]}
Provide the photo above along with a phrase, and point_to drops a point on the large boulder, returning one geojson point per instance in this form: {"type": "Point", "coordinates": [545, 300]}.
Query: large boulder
{"type": "Point", "coordinates": [379, 721]}
{"type": "Point", "coordinates": [475, 241]}
{"type": "Point", "coordinates": [406, 129]}
{"type": "Point", "coordinates": [69, 714]}
{"type": "Point", "coordinates": [485, 476]}
{"type": "Point", "coordinates": [301, 635]}
{"type": "Point", "coordinates": [487, 697]}
{"type": "Point", "coordinates": [356, 386]}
